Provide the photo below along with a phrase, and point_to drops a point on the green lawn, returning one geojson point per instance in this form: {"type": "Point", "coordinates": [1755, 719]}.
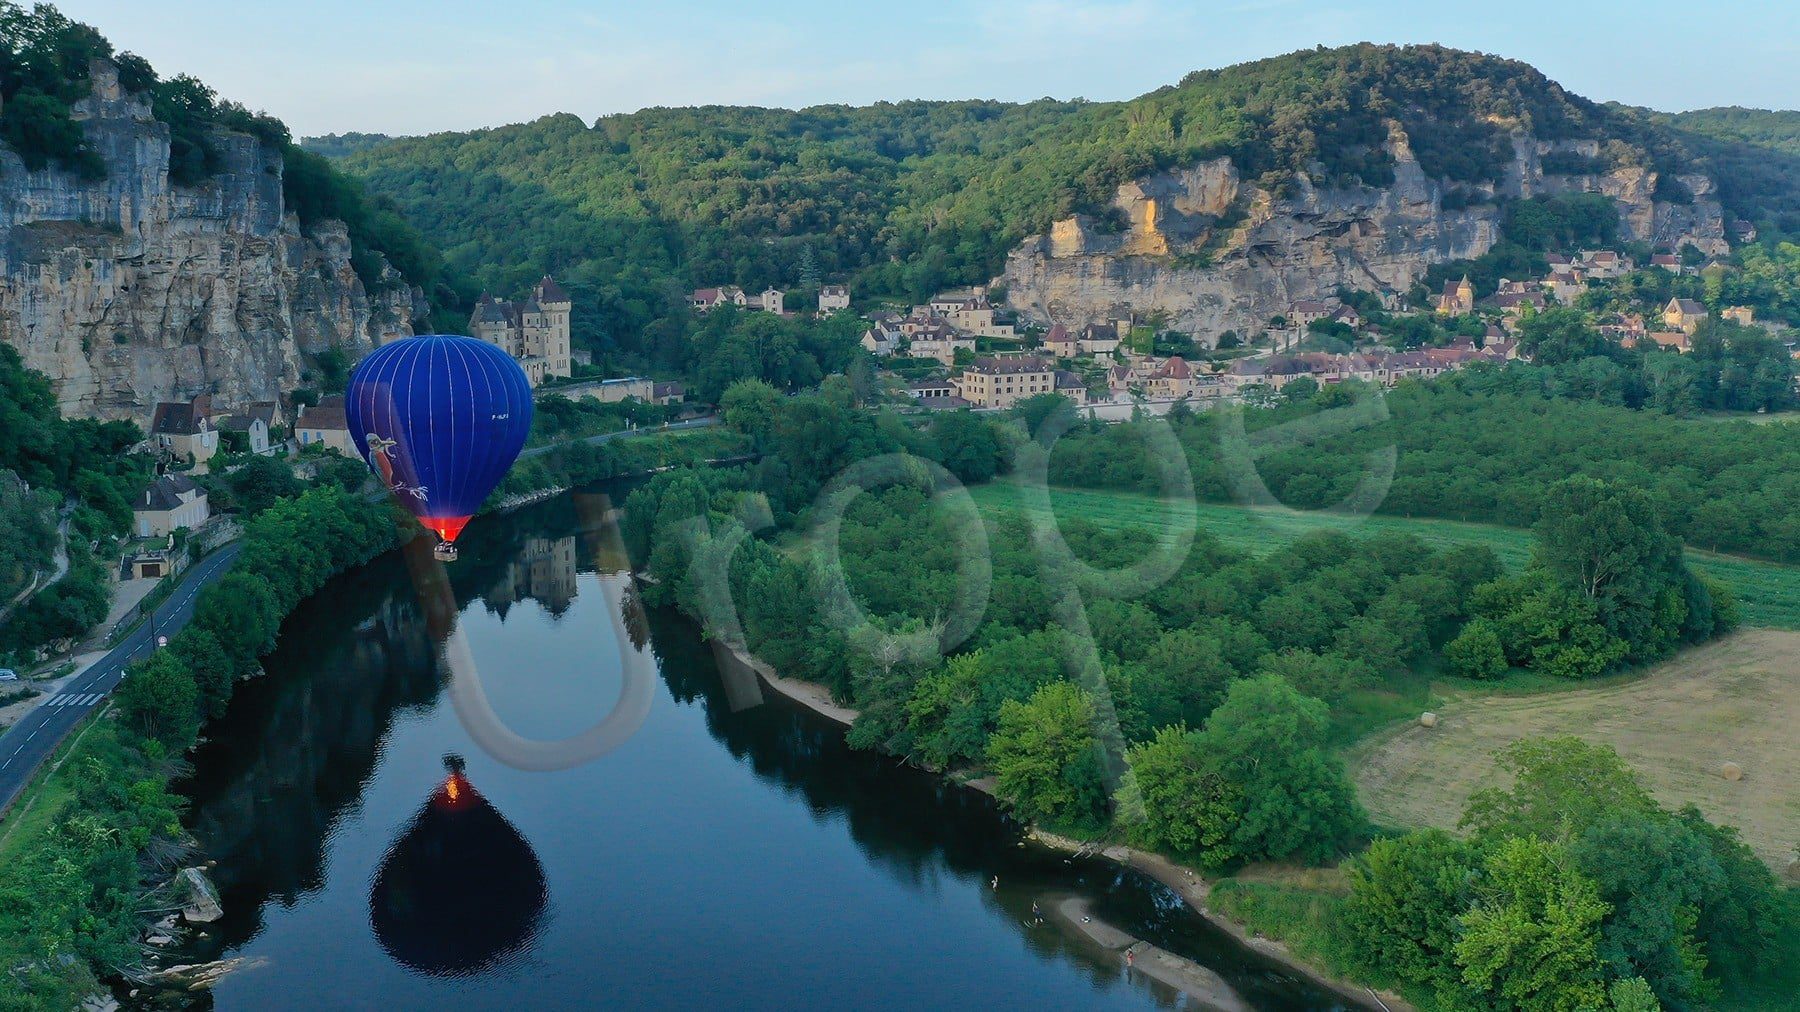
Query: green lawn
{"type": "Point", "coordinates": [1768, 592]}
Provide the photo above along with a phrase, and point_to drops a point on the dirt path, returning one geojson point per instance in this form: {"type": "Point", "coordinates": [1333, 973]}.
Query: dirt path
{"type": "Point", "coordinates": [1737, 700]}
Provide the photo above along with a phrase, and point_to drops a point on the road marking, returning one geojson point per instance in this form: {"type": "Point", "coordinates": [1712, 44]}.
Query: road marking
{"type": "Point", "coordinates": [58, 701]}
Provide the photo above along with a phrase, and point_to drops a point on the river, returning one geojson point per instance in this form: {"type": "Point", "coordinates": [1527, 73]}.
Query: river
{"type": "Point", "coordinates": [733, 852]}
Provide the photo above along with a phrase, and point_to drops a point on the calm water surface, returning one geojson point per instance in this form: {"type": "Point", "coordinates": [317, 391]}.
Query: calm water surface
{"type": "Point", "coordinates": [732, 853]}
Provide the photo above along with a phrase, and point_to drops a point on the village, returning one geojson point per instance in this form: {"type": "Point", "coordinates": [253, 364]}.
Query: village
{"type": "Point", "coordinates": [963, 349]}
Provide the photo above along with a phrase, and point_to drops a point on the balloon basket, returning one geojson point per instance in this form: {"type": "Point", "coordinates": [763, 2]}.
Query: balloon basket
{"type": "Point", "coordinates": [444, 552]}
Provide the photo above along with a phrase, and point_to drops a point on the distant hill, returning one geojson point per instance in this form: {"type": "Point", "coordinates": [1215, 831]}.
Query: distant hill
{"type": "Point", "coordinates": [342, 145]}
{"type": "Point", "coordinates": [907, 197]}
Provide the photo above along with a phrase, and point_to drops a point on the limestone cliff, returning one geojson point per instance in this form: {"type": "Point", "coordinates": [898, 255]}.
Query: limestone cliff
{"type": "Point", "coordinates": [129, 289]}
{"type": "Point", "coordinates": [1214, 252]}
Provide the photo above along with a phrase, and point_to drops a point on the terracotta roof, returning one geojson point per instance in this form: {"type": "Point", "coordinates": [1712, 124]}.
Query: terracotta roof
{"type": "Point", "coordinates": [1175, 367]}
{"type": "Point", "coordinates": [1059, 335]}
{"type": "Point", "coordinates": [1311, 306]}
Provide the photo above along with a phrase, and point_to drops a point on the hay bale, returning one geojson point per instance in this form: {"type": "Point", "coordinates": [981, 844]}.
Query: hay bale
{"type": "Point", "coordinates": [1427, 719]}
{"type": "Point", "coordinates": [1793, 871]}
{"type": "Point", "coordinates": [1732, 772]}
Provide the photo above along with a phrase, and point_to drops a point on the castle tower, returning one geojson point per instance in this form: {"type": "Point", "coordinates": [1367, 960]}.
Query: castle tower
{"type": "Point", "coordinates": [553, 310]}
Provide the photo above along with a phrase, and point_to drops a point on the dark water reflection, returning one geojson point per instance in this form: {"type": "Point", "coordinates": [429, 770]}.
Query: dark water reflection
{"type": "Point", "coordinates": [734, 852]}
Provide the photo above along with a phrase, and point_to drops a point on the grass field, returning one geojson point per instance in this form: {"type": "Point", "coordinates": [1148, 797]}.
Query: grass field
{"type": "Point", "coordinates": [1737, 700]}
{"type": "Point", "coordinates": [1768, 592]}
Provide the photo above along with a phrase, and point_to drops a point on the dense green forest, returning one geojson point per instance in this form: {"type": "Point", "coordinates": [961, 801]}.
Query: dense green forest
{"type": "Point", "coordinates": [44, 64]}
{"type": "Point", "coordinates": [79, 461]}
{"type": "Point", "coordinates": [906, 197]}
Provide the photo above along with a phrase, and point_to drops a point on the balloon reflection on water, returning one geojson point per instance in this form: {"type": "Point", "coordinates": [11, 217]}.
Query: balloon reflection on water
{"type": "Point", "coordinates": [460, 890]}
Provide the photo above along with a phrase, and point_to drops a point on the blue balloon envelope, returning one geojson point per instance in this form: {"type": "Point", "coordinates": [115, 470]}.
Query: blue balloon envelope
{"type": "Point", "coordinates": [440, 419]}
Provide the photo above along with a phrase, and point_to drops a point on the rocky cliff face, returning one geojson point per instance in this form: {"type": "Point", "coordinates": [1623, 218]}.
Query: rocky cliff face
{"type": "Point", "coordinates": [1215, 253]}
{"type": "Point", "coordinates": [130, 290]}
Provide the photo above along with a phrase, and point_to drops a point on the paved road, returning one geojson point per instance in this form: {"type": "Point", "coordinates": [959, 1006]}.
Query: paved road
{"type": "Point", "coordinates": [27, 743]}
{"type": "Point", "coordinates": [692, 423]}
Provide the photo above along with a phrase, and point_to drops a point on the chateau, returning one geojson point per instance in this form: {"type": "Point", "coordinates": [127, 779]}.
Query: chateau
{"type": "Point", "coordinates": [534, 332]}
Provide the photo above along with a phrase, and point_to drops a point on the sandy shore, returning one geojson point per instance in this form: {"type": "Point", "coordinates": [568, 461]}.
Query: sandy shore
{"type": "Point", "coordinates": [1178, 972]}
{"type": "Point", "coordinates": [1187, 883]}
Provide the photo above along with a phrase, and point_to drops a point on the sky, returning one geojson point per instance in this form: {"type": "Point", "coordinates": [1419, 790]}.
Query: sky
{"type": "Point", "coordinates": [410, 67]}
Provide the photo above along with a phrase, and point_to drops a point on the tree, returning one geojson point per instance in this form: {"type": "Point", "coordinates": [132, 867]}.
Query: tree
{"type": "Point", "coordinates": [1656, 874]}
{"type": "Point", "coordinates": [1561, 336]}
{"type": "Point", "coordinates": [1476, 651]}
{"type": "Point", "coordinates": [1531, 940]}
{"type": "Point", "coordinates": [967, 446]}
{"type": "Point", "coordinates": [1270, 742]}
{"type": "Point", "coordinates": [1189, 807]}
{"type": "Point", "coordinates": [1044, 756]}
{"type": "Point", "coordinates": [1407, 895]}
{"type": "Point", "coordinates": [1633, 995]}
{"type": "Point", "coordinates": [1561, 788]}
{"type": "Point", "coordinates": [160, 699]}
{"type": "Point", "coordinates": [262, 482]}
{"type": "Point", "coordinates": [749, 406]}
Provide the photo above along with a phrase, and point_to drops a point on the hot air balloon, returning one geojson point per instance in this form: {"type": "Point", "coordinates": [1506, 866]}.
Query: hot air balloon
{"type": "Point", "coordinates": [439, 418]}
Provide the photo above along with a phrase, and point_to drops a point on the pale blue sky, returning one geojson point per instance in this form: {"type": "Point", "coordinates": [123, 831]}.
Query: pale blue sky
{"type": "Point", "coordinates": [407, 66]}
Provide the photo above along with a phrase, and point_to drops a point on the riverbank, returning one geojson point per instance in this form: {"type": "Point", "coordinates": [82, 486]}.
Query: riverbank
{"type": "Point", "coordinates": [1185, 882]}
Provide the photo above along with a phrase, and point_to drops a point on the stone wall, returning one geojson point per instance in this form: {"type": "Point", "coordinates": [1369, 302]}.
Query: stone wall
{"type": "Point", "coordinates": [128, 290]}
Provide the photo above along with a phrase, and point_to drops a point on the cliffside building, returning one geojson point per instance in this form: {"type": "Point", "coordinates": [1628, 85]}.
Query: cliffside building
{"type": "Point", "coordinates": [833, 298]}
{"type": "Point", "coordinates": [1458, 298]}
{"type": "Point", "coordinates": [324, 423]}
{"type": "Point", "coordinates": [184, 429]}
{"type": "Point", "coordinates": [535, 332]}
{"type": "Point", "coordinates": [171, 503]}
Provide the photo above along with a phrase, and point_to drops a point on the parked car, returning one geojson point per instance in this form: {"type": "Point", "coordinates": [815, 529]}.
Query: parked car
{"type": "Point", "coordinates": [8, 675]}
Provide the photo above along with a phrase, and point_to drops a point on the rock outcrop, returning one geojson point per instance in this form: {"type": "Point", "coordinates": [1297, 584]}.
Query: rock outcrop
{"type": "Point", "coordinates": [1211, 252]}
{"type": "Point", "coordinates": [130, 289]}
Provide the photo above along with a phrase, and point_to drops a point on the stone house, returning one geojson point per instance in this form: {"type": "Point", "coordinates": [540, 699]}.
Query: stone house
{"type": "Point", "coordinates": [1457, 298]}
{"type": "Point", "coordinates": [171, 503]}
{"type": "Point", "coordinates": [974, 316]}
{"type": "Point", "coordinates": [185, 429]}
{"type": "Point", "coordinates": [324, 423]}
{"type": "Point", "coordinates": [535, 331]}
{"type": "Point", "coordinates": [1060, 343]}
{"type": "Point", "coordinates": [1744, 315]}
{"type": "Point", "coordinates": [938, 340]}
{"type": "Point", "coordinates": [833, 298]}
{"type": "Point", "coordinates": [1304, 312]}
{"type": "Point", "coordinates": [1003, 382]}
{"type": "Point", "coordinates": [255, 430]}
{"type": "Point", "coordinates": [1683, 315]}
{"type": "Point", "coordinates": [882, 339]}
